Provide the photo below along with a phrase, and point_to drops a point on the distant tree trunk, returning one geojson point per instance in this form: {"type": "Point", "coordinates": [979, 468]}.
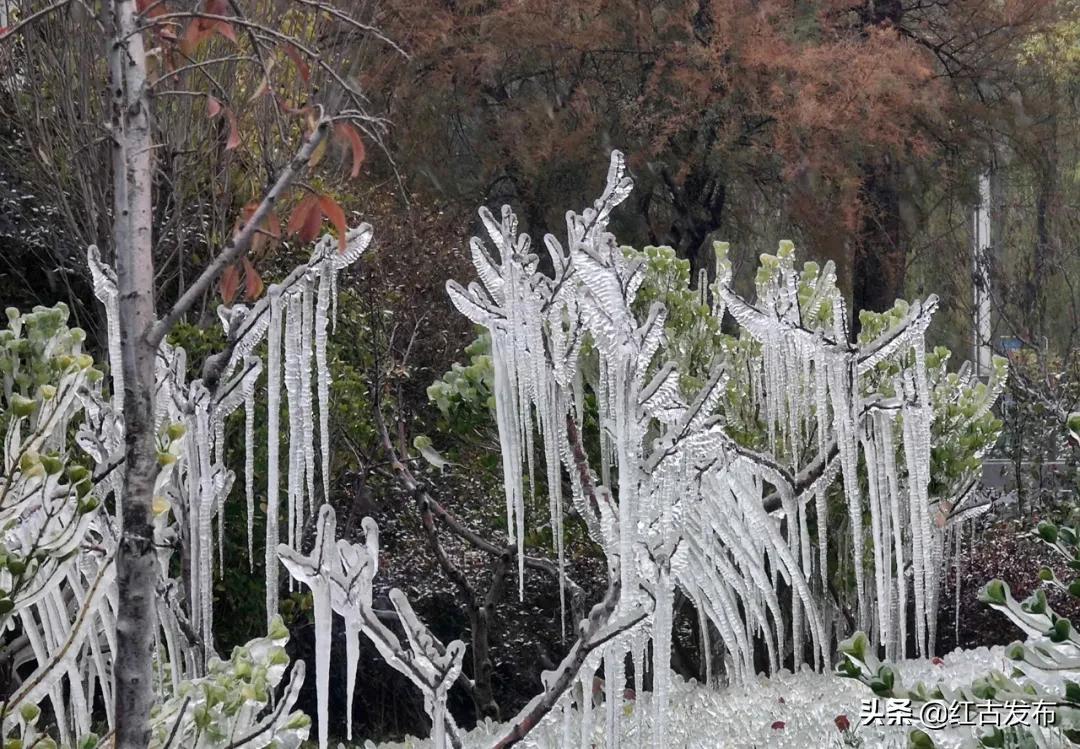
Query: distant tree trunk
{"type": "Point", "coordinates": [880, 258]}
{"type": "Point", "coordinates": [697, 206]}
{"type": "Point", "coordinates": [132, 241]}
{"type": "Point", "coordinates": [1043, 262]}
{"type": "Point", "coordinates": [880, 261]}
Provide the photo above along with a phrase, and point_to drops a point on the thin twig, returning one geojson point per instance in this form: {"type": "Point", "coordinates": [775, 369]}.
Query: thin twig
{"type": "Point", "coordinates": [240, 241]}
{"type": "Point", "coordinates": [12, 30]}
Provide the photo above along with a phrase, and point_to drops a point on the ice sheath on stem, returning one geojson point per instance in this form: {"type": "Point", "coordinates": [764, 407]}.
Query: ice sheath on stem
{"type": "Point", "coordinates": [679, 501]}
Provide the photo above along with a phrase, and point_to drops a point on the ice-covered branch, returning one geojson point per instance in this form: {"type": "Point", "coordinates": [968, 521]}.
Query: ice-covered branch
{"type": "Point", "coordinates": [340, 576]}
{"type": "Point", "coordinates": [593, 633]}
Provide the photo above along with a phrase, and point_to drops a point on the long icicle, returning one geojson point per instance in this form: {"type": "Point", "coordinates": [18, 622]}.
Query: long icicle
{"type": "Point", "coordinates": [273, 398]}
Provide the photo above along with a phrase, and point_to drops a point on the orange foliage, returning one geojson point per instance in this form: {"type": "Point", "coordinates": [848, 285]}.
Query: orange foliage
{"type": "Point", "coordinates": [800, 96]}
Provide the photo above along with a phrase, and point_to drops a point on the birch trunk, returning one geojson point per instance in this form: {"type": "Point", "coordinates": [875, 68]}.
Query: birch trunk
{"type": "Point", "coordinates": [132, 220]}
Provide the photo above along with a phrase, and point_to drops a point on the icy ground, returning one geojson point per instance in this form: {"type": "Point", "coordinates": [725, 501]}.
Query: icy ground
{"type": "Point", "coordinates": [744, 717]}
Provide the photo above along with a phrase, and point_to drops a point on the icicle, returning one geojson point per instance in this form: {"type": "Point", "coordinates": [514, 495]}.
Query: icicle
{"type": "Point", "coordinates": [895, 500]}
{"type": "Point", "coordinates": [106, 291]}
{"type": "Point", "coordinates": [509, 440]}
{"type": "Point", "coordinates": [322, 374]}
{"type": "Point", "coordinates": [293, 313]}
{"type": "Point", "coordinates": [352, 658]}
{"type": "Point", "coordinates": [307, 414]}
{"type": "Point", "coordinates": [566, 713]}
{"type": "Point", "coordinates": [844, 404]}
{"type": "Point", "coordinates": [662, 624]}
{"type": "Point", "coordinates": [919, 523]}
{"type": "Point", "coordinates": [273, 397]}
{"type": "Point", "coordinates": [703, 639]}
{"type": "Point", "coordinates": [790, 514]}
{"type": "Point", "coordinates": [206, 503]}
{"type": "Point", "coordinates": [587, 679]}
{"type": "Point", "coordinates": [959, 551]}
{"type": "Point", "coordinates": [614, 676]}
{"type": "Point", "coordinates": [323, 624]}
{"type": "Point", "coordinates": [637, 651]}
{"type": "Point", "coordinates": [221, 538]}
{"type": "Point", "coordinates": [249, 473]}
{"type": "Point", "coordinates": [879, 542]}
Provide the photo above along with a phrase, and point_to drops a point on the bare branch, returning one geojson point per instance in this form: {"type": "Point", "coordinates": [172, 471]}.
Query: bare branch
{"type": "Point", "coordinates": [346, 18]}
{"type": "Point", "coordinates": [595, 632]}
{"type": "Point", "coordinates": [241, 241]}
{"type": "Point", "coordinates": [408, 481]}
{"type": "Point", "coordinates": [11, 31]}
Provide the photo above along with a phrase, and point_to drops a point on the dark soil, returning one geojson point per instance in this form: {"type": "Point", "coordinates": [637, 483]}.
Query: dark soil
{"type": "Point", "coordinates": [1012, 552]}
{"type": "Point", "coordinates": [525, 637]}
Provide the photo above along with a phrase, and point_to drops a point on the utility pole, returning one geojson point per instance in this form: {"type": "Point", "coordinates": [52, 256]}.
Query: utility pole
{"type": "Point", "coordinates": [981, 279]}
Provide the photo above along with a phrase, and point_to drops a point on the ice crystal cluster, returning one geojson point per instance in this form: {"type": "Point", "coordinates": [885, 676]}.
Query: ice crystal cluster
{"type": "Point", "coordinates": [340, 576]}
{"type": "Point", "coordinates": [294, 319]}
{"type": "Point", "coordinates": [782, 711]}
{"type": "Point", "coordinates": [1044, 669]}
{"type": "Point", "coordinates": [57, 568]}
{"type": "Point", "coordinates": [63, 465]}
{"type": "Point", "coordinates": [677, 501]}
{"type": "Point", "coordinates": [717, 483]}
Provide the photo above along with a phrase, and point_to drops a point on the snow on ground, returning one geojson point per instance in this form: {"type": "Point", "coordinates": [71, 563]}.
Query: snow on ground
{"type": "Point", "coordinates": [743, 717]}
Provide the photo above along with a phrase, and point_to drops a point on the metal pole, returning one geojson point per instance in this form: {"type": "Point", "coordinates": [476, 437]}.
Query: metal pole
{"type": "Point", "coordinates": [981, 279]}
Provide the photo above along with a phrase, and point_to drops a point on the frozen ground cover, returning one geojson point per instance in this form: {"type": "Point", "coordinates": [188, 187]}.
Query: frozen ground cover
{"type": "Point", "coordinates": [744, 716]}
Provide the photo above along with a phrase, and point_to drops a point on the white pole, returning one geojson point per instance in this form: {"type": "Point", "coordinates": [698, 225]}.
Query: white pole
{"type": "Point", "coordinates": [981, 278]}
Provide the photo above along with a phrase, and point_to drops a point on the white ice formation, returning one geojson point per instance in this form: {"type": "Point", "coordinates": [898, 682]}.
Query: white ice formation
{"type": "Point", "coordinates": [679, 503]}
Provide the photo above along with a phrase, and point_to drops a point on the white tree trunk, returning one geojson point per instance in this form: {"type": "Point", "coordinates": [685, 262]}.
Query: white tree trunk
{"type": "Point", "coordinates": [132, 221]}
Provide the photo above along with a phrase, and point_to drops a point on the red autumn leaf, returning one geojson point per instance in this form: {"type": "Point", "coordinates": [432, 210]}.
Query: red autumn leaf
{"type": "Point", "coordinates": [213, 107]}
{"type": "Point", "coordinates": [167, 34]}
{"type": "Point", "coordinates": [229, 284]}
{"type": "Point", "coordinates": [195, 32]}
{"type": "Point", "coordinates": [225, 29]}
{"type": "Point", "coordinates": [246, 213]}
{"type": "Point", "coordinates": [200, 28]}
{"type": "Point", "coordinates": [842, 723]}
{"type": "Point", "coordinates": [301, 66]}
{"type": "Point", "coordinates": [351, 136]}
{"type": "Point", "coordinates": [268, 230]}
{"type": "Point", "coordinates": [253, 283]}
{"type": "Point", "coordinates": [284, 106]}
{"type": "Point", "coordinates": [272, 225]}
{"type": "Point", "coordinates": [778, 725]}
{"type": "Point", "coordinates": [155, 8]}
{"type": "Point", "coordinates": [305, 219]}
{"type": "Point", "coordinates": [337, 217]}
{"type": "Point", "coordinates": [234, 131]}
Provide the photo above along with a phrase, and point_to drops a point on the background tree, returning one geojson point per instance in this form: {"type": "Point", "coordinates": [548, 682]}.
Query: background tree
{"type": "Point", "coordinates": [176, 40]}
{"type": "Point", "coordinates": [825, 121]}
